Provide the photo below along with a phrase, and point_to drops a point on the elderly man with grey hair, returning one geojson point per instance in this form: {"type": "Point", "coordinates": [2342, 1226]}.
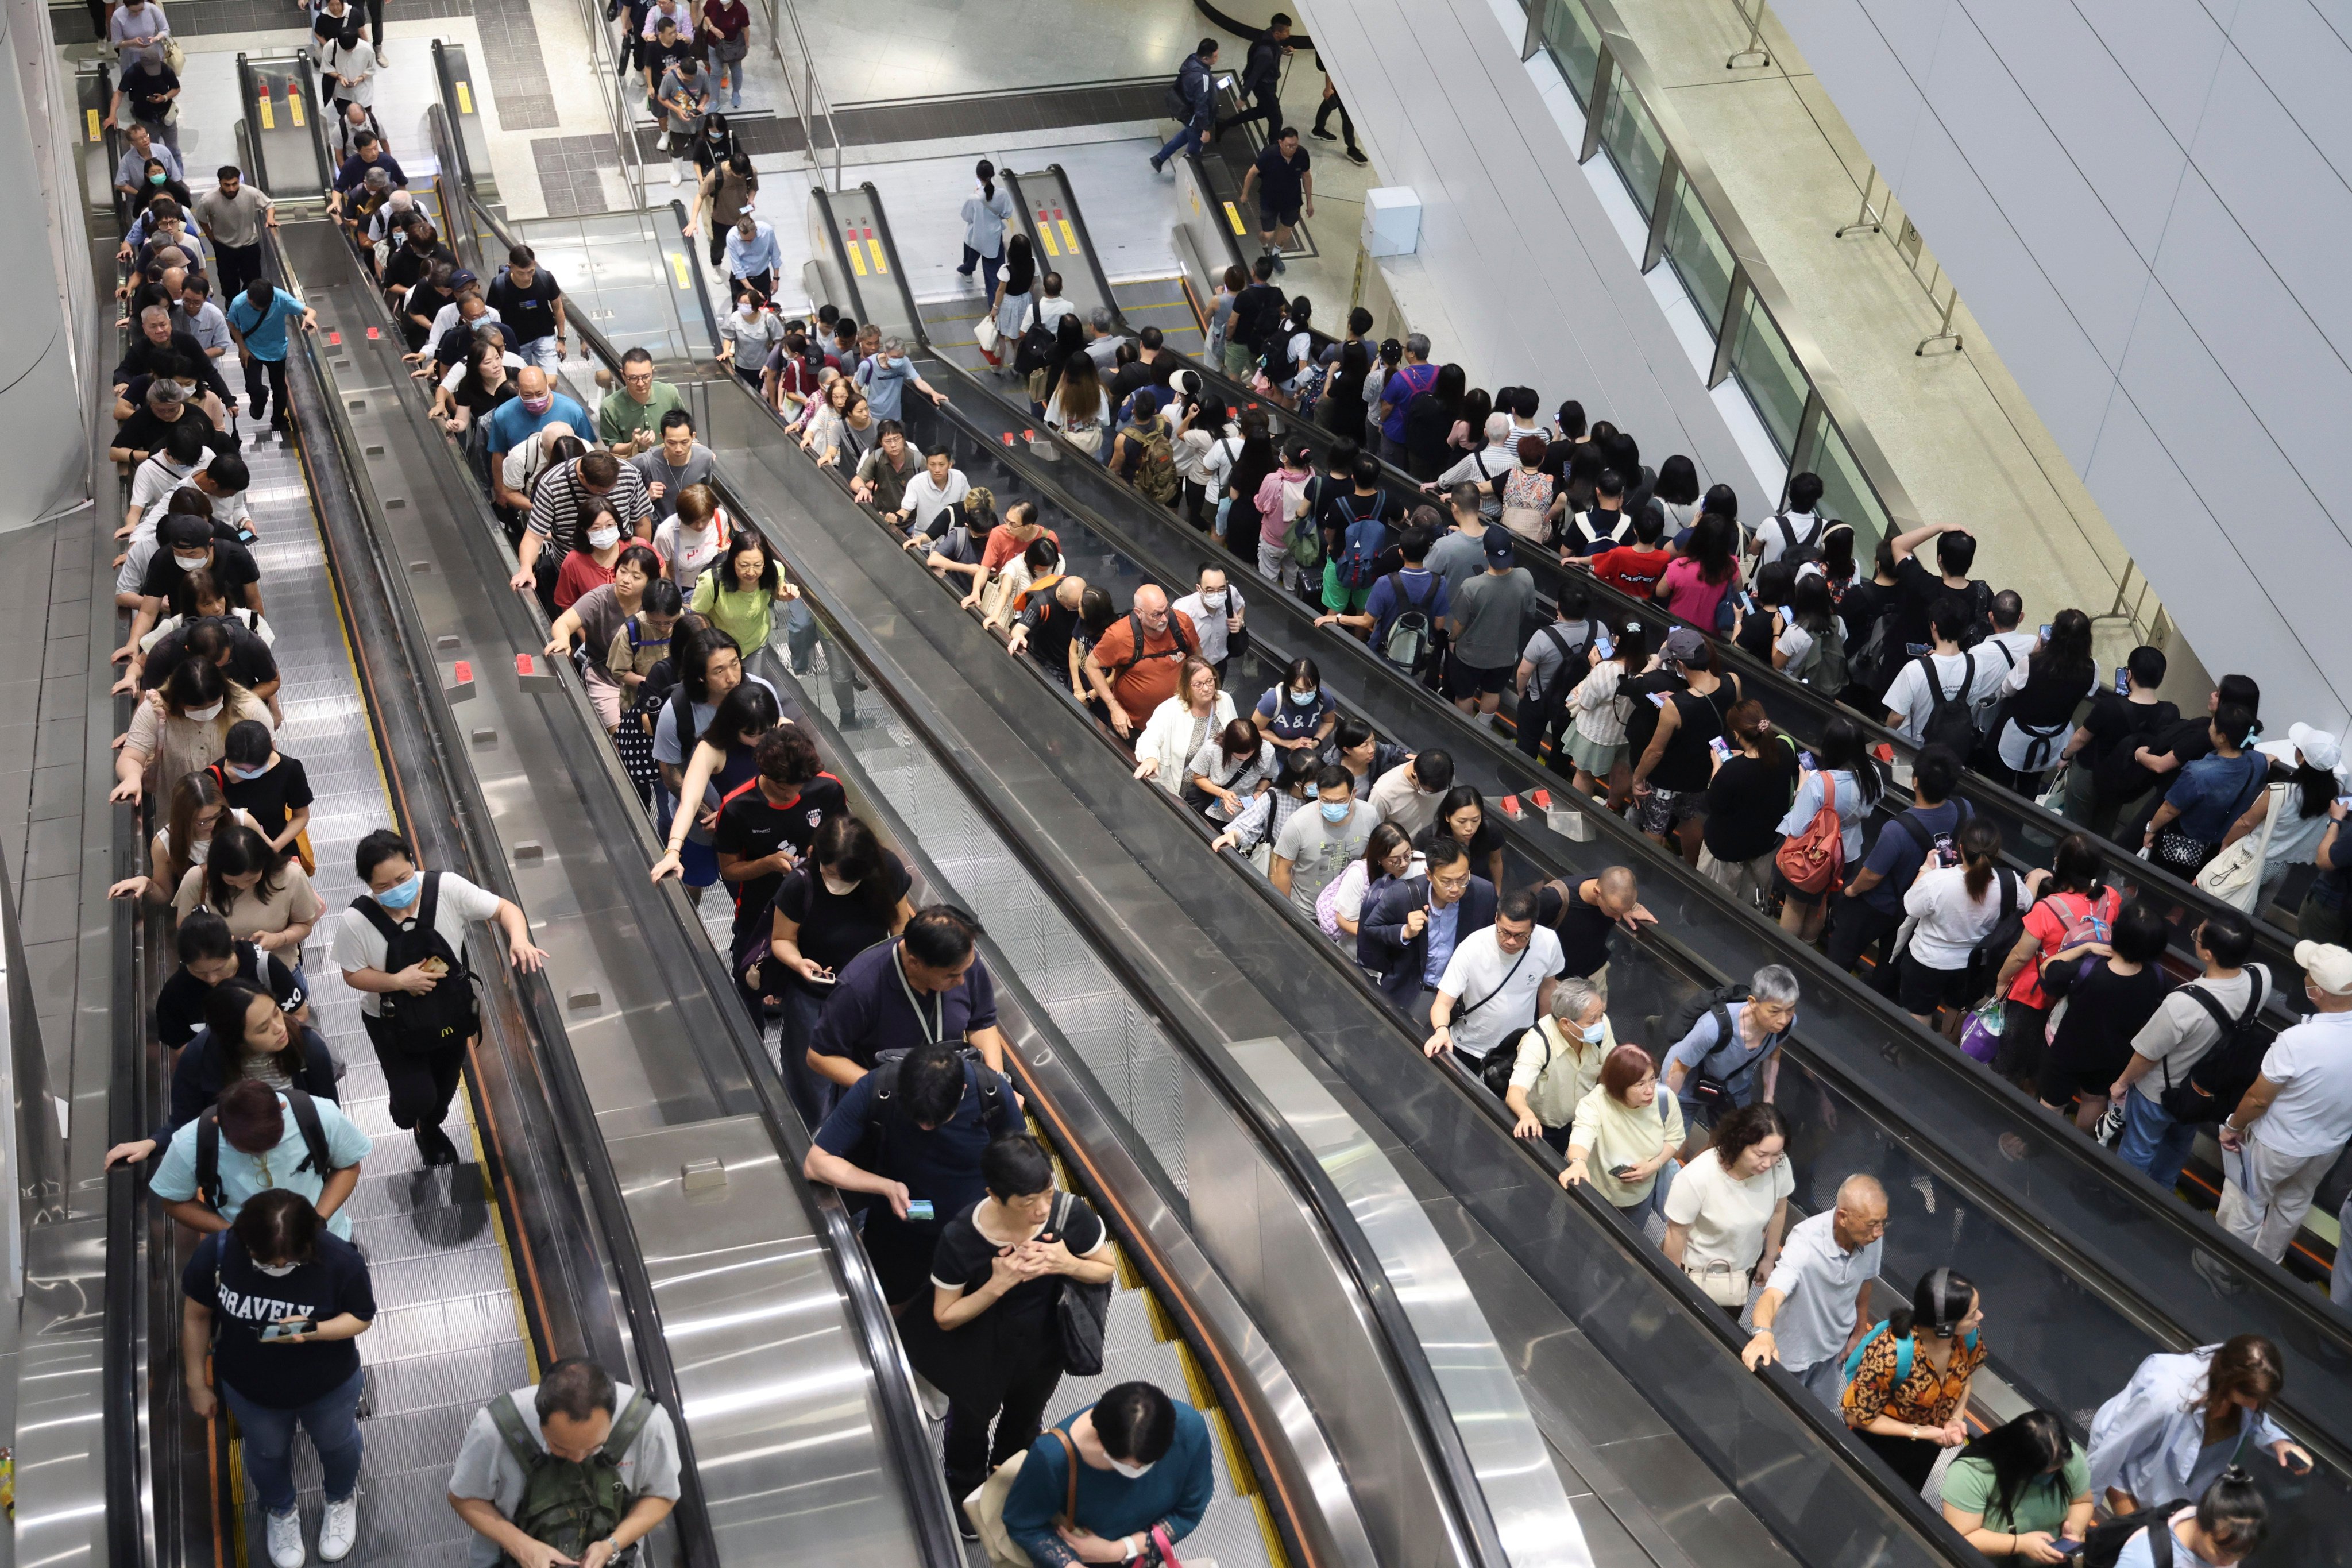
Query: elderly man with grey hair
{"type": "Point", "coordinates": [1816, 1304]}
{"type": "Point", "coordinates": [1559, 1062]}
{"type": "Point", "coordinates": [1102, 339]}
{"type": "Point", "coordinates": [1731, 1054]}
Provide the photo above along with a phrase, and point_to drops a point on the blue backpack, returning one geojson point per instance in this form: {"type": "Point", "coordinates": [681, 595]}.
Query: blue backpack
{"type": "Point", "coordinates": [1902, 1352]}
{"type": "Point", "coordinates": [1360, 550]}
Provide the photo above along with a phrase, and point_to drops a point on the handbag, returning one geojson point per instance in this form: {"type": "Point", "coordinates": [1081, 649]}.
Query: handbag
{"type": "Point", "coordinates": [2177, 853]}
{"type": "Point", "coordinates": [2235, 874]}
{"type": "Point", "coordinates": [985, 1509]}
{"type": "Point", "coordinates": [1720, 1283]}
{"type": "Point", "coordinates": [1081, 1312]}
{"type": "Point", "coordinates": [985, 335]}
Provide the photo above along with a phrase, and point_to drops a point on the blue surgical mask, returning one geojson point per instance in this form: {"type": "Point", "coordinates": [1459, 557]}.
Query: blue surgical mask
{"type": "Point", "coordinates": [1592, 1032]}
{"type": "Point", "coordinates": [237, 772]}
{"type": "Point", "coordinates": [1302, 698]}
{"type": "Point", "coordinates": [1337, 810]}
{"type": "Point", "coordinates": [403, 894]}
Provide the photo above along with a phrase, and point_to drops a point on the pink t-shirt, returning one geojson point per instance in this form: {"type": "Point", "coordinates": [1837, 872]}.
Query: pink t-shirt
{"type": "Point", "coordinates": [1690, 596]}
{"type": "Point", "coordinates": [1273, 513]}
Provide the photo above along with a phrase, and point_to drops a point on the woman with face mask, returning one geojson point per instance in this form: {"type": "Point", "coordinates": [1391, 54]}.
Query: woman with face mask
{"type": "Point", "coordinates": [595, 618]}
{"type": "Point", "coordinates": [185, 839]}
{"type": "Point", "coordinates": [181, 728]}
{"type": "Point", "coordinates": [991, 1341]}
{"type": "Point", "coordinates": [595, 559]}
{"type": "Point", "coordinates": [1299, 714]}
{"type": "Point", "coordinates": [246, 1035]}
{"type": "Point", "coordinates": [1559, 1062]}
{"type": "Point", "coordinates": [264, 895]}
{"type": "Point", "coordinates": [270, 789]}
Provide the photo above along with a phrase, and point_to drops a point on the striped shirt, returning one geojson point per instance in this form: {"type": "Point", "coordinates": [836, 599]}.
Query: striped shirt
{"type": "Point", "coordinates": [556, 504]}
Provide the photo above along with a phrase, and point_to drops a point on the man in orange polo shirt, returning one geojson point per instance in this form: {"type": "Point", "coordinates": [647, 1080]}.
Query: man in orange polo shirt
{"type": "Point", "coordinates": [1133, 669]}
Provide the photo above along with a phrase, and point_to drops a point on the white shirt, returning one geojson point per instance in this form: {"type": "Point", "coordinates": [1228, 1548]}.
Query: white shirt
{"type": "Point", "coordinates": [2311, 1063]}
{"type": "Point", "coordinates": [1502, 985]}
{"type": "Point", "coordinates": [448, 318]}
{"type": "Point", "coordinates": [1210, 625]}
{"type": "Point", "coordinates": [1908, 695]}
{"type": "Point", "coordinates": [1174, 733]}
{"type": "Point", "coordinates": [1951, 923]}
{"type": "Point", "coordinates": [921, 500]}
{"type": "Point", "coordinates": [1726, 1218]}
{"type": "Point", "coordinates": [689, 557]}
{"type": "Point", "coordinates": [359, 945]}
{"type": "Point", "coordinates": [1818, 1281]}
{"type": "Point", "coordinates": [1771, 542]}
{"type": "Point", "coordinates": [358, 61]}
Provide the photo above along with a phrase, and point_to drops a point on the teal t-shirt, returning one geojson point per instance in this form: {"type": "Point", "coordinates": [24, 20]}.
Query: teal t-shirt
{"type": "Point", "coordinates": [1970, 1486]}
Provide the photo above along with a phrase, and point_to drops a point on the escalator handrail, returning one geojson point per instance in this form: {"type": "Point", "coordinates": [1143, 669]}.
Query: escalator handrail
{"type": "Point", "coordinates": [1905, 1501]}
{"type": "Point", "coordinates": [1474, 1522]}
{"type": "Point", "coordinates": [1756, 675]}
{"type": "Point", "coordinates": [306, 69]}
{"type": "Point", "coordinates": [448, 144]}
{"type": "Point", "coordinates": [701, 294]}
{"type": "Point", "coordinates": [906, 1429]}
{"type": "Point", "coordinates": [569, 1099]}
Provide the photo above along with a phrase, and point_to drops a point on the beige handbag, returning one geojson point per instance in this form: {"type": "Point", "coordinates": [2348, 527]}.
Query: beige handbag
{"type": "Point", "coordinates": [1722, 1285]}
{"type": "Point", "coordinates": [996, 600]}
{"type": "Point", "coordinates": [985, 1509]}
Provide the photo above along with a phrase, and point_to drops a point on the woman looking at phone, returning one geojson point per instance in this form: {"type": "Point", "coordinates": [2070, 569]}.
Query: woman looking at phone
{"type": "Point", "coordinates": [847, 895]}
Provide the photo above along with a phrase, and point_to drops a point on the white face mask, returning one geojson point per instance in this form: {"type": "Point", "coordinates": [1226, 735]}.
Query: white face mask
{"type": "Point", "coordinates": [207, 714]}
{"type": "Point", "coordinates": [1133, 1472]}
{"type": "Point", "coordinates": [190, 563]}
{"type": "Point", "coordinates": [836, 886]}
{"type": "Point", "coordinates": [1213, 601]}
{"type": "Point", "coordinates": [278, 1270]}
{"type": "Point", "coordinates": [199, 851]}
{"type": "Point", "coordinates": [603, 538]}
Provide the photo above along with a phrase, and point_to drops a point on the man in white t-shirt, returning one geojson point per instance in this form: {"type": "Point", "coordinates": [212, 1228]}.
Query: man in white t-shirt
{"type": "Point", "coordinates": [421, 1082]}
{"type": "Point", "coordinates": [1962, 679]}
{"type": "Point", "coordinates": [570, 1413]}
{"type": "Point", "coordinates": [2288, 1130]}
{"type": "Point", "coordinates": [1800, 525]}
{"type": "Point", "coordinates": [1497, 983]}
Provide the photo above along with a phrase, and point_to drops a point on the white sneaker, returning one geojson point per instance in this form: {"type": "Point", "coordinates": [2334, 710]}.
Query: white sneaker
{"type": "Point", "coordinates": [340, 1528]}
{"type": "Point", "coordinates": [286, 1539]}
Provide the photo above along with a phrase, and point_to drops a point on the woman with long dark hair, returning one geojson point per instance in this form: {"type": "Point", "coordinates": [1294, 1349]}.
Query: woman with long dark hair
{"type": "Point", "coordinates": [1014, 298]}
{"type": "Point", "coordinates": [985, 213]}
{"type": "Point", "coordinates": [725, 755]}
{"type": "Point", "coordinates": [1462, 816]}
{"type": "Point", "coordinates": [2184, 1419]}
{"type": "Point", "coordinates": [2017, 1488]}
{"type": "Point", "coordinates": [2038, 703]}
{"type": "Point", "coordinates": [849, 894]}
{"type": "Point", "coordinates": [264, 896]}
{"type": "Point", "coordinates": [1957, 906]}
{"type": "Point", "coordinates": [2303, 786]}
{"type": "Point", "coordinates": [1695, 585]}
{"type": "Point", "coordinates": [1910, 1385]}
{"type": "Point", "coordinates": [2076, 909]}
{"type": "Point", "coordinates": [1677, 493]}
{"type": "Point", "coordinates": [1746, 798]}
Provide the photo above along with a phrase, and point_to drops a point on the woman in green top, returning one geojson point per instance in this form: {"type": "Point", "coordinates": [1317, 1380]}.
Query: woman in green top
{"type": "Point", "coordinates": [754, 586]}
{"type": "Point", "coordinates": [2019, 1488]}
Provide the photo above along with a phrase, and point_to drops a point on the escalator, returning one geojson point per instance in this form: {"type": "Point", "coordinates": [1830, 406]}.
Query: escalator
{"type": "Point", "coordinates": [2097, 1271]}
{"type": "Point", "coordinates": [1412, 1472]}
{"type": "Point", "coordinates": [2030, 833]}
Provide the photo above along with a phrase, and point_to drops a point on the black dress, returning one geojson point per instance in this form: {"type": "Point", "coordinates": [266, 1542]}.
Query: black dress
{"type": "Point", "coordinates": [1016, 1338]}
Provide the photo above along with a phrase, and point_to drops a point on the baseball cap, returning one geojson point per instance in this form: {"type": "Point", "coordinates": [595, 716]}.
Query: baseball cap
{"type": "Point", "coordinates": [2329, 966]}
{"type": "Point", "coordinates": [188, 530]}
{"type": "Point", "coordinates": [2319, 748]}
{"type": "Point", "coordinates": [461, 279]}
{"type": "Point", "coordinates": [1682, 644]}
{"type": "Point", "coordinates": [1499, 547]}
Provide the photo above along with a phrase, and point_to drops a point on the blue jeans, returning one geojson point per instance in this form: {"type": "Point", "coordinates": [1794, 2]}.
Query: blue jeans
{"type": "Point", "coordinates": [2153, 1141]}
{"type": "Point", "coordinates": [987, 265]}
{"type": "Point", "coordinates": [333, 1421]}
{"type": "Point", "coordinates": [1189, 134]}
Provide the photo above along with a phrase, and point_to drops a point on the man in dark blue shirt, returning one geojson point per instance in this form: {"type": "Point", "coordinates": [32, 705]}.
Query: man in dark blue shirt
{"type": "Point", "coordinates": [1286, 188]}
{"type": "Point", "coordinates": [920, 1123]}
{"type": "Point", "coordinates": [928, 987]}
{"type": "Point", "coordinates": [2327, 913]}
{"type": "Point", "coordinates": [1872, 910]}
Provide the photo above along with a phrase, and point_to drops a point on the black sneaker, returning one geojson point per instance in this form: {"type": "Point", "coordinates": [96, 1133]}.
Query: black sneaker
{"type": "Point", "coordinates": [1322, 135]}
{"type": "Point", "coordinates": [1355, 156]}
{"type": "Point", "coordinates": [434, 1146]}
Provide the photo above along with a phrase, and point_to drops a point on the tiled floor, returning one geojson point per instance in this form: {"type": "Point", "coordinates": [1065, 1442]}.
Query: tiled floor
{"type": "Point", "coordinates": [572, 173]}
{"type": "Point", "coordinates": [447, 1335]}
{"type": "Point", "coordinates": [515, 61]}
{"type": "Point", "coordinates": [195, 18]}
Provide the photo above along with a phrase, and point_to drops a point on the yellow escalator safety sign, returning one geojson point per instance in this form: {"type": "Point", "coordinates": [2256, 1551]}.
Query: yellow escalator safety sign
{"type": "Point", "coordinates": [856, 257]}
{"type": "Point", "coordinates": [269, 116]}
{"type": "Point", "coordinates": [294, 105]}
{"type": "Point", "coordinates": [1046, 235]}
{"type": "Point", "coordinates": [96, 133]}
{"type": "Point", "coordinates": [1235, 218]}
{"type": "Point", "coordinates": [881, 267]}
{"type": "Point", "coordinates": [678, 270]}
{"type": "Point", "coordinates": [464, 98]}
{"type": "Point", "coordinates": [1069, 240]}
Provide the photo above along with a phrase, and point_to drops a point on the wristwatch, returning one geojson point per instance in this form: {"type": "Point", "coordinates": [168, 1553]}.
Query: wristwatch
{"type": "Point", "coordinates": [1127, 1545]}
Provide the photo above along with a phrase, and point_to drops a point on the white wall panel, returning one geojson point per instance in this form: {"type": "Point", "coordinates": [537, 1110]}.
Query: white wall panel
{"type": "Point", "coordinates": [2125, 155]}
{"type": "Point", "coordinates": [2205, 400]}
{"type": "Point", "coordinates": [2053, 208]}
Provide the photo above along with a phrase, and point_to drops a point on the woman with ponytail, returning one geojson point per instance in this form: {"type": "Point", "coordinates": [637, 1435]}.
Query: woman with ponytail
{"type": "Point", "coordinates": [1955, 909]}
{"type": "Point", "coordinates": [1909, 1382]}
{"type": "Point", "coordinates": [1755, 782]}
{"type": "Point", "coordinates": [985, 214]}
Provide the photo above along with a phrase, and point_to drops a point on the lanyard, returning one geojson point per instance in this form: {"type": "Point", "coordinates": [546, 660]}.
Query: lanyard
{"type": "Point", "coordinates": [936, 1030]}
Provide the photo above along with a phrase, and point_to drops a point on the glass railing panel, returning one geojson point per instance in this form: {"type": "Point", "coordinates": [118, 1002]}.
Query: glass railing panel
{"type": "Point", "coordinates": [1635, 145]}
{"type": "Point", "coordinates": [1775, 382]}
{"type": "Point", "coordinates": [1846, 492]}
{"type": "Point", "coordinates": [1701, 259]}
{"type": "Point", "coordinates": [1574, 39]}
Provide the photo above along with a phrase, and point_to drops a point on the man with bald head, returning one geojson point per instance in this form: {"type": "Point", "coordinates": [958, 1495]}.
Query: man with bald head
{"type": "Point", "coordinates": [516, 421]}
{"type": "Point", "coordinates": [1133, 669]}
{"type": "Point", "coordinates": [1816, 1306]}
{"type": "Point", "coordinates": [1585, 913]}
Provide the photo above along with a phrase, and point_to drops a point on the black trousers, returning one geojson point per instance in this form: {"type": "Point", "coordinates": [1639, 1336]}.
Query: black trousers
{"type": "Point", "coordinates": [1266, 106]}
{"type": "Point", "coordinates": [265, 379]}
{"type": "Point", "coordinates": [1856, 928]}
{"type": "Point", "coordinates": [1346, 126]}
{"type": "Point", "coordinates": [1539, 721]}
{"type": "Point", "coordinates": [969, 1453]}
{"type": "Point", "coordinates": [420, 1083]}
{"type": "Point", "coordinates": [239, 265]}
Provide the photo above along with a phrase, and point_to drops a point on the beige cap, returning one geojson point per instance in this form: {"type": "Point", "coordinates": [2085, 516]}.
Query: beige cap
{"type": "Point", "coordinates": [2329, 966]}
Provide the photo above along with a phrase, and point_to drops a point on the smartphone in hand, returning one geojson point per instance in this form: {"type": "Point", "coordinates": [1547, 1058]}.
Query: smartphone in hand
{"type": "Point", "coordinates": [1622, 1172]}
{"type": "Point", "coordinates": [287, 1330]}
{"type": "Point", "coordinates": [919, 1208]}
{"type": "Point", "coordinates": [2123, 680]}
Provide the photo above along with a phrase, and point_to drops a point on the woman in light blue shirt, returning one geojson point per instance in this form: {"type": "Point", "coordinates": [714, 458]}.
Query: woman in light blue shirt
{"type": "Point", "coordinates": [1842, 757]}
{"type": "Point", "coordinates": [985, 215]}
{"type": "Point", "coordinates": [2183, 1419]}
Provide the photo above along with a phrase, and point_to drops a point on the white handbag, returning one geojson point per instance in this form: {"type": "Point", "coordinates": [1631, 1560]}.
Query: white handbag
{"type": "Point", "coordinates": [985, 335]}
{"type": "Point", "coordinates": [2235, 874]}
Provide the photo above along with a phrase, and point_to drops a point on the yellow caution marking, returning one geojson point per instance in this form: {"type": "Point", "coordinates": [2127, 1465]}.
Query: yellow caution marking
{"type": "Point", "coordinates": [1046, 239]}
{"type": "Point", "coordinates": [294, 107]}
{"type": "Point", "coordinates": [856, 259]}
{"type": "Point", "coordinates": [269, 117]}
{"type": "Point", "coordinates": [464, 98]}
{"type": "Point", "coordinates": [678, 270]}
{"type": "Point", "coordinates": [1235, 218]}
{"type": "Point", "coordinates": [881, 267]}
{"type": "Point", "coordinates": [96, 133]}
{"type": "Point", "coordinates": [1069, 240]}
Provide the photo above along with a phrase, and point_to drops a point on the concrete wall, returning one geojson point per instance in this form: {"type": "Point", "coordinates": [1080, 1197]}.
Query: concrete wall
{"type": "Point", "coordinates": [2146, 204]}
{"type": "Point", "coordinates": [41, 401]}
{"type": "Point", "coordinates": [1522, 276]}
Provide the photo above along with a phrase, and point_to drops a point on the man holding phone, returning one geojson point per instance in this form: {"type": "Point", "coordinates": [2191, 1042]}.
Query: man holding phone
{"type": "Point", "coordinates": [929, 986]}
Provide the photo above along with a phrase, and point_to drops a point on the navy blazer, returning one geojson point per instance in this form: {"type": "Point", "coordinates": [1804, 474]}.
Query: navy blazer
{"type": "Point", "coordinates": [1394, 960]}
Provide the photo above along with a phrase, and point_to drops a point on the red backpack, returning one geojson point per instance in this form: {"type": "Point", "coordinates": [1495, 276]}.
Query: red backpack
{"type": "Point", "coordinates": [1814, 860]}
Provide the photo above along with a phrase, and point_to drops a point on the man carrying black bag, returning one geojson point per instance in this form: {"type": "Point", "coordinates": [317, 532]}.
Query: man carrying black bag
{"type": "Point", "coordinates": [402, 947]}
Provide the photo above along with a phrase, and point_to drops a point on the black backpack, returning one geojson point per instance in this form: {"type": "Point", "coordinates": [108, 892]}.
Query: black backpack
{"type": "Point", "coordinates": [2103, 1543]}
{"type": "Point", "coordinates": [2223, 1075]}
{"type": "Point", "coordinates": [1799, 551]}
{"type": "Point", "coordinates": [1707, 1091]}
{"type": "Point", "coordinates": [1951, 721]}
{"type": "Point", "coordinates": [1036, 343]}
{"type": "Point", "coordinates": [315, 1157]}
{"type": "Point", "coordinates": [430, 1020]}
{"type": "Point", "coordinates": [995, 1114]}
